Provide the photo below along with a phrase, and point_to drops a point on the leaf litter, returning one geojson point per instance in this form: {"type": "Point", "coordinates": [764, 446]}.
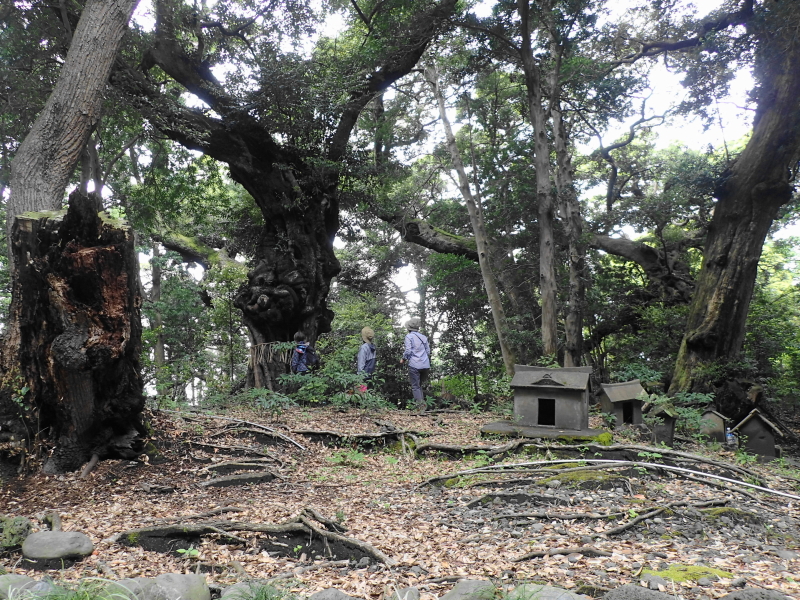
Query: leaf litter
{"type": "Point", "coordinates": [437, 534]}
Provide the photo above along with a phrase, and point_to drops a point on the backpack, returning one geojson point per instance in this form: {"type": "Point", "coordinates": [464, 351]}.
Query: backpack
{"type": "Point", "coordinates": [312, 358]}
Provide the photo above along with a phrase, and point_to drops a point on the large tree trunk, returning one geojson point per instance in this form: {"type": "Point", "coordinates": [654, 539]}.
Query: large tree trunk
{"type": "Point", "coordinates": [749, 197]}
{"type": "Point", "coordinates": [75, 345]}
{"type": "Point", "coordinates": [485, 252]}
{"type": "Point", "coordinates": [46, 158]}
{"type": "Point", "coordinates": [70, 350]}
{"type": "Point", "coordinates": [295, 189]}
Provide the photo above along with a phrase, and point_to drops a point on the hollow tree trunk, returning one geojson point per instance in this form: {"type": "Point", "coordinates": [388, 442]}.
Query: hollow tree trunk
{"type": "Point", "coordinates": [755, 187]}
{"type": "Point", "coordinates": [77, 339]}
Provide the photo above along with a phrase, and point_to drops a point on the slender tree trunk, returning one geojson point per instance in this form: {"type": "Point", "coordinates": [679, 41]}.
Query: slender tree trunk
{"type": "Point", "coordinates": [753, 190]}
{"type": "Point", "coordinates": [478, 228]}
{"type": "Point", "coordinates": [159, 356]}
{"type": "Point", "coordinates": [573, 224]}
{"type": "Point", "coordinates": [544, 195]}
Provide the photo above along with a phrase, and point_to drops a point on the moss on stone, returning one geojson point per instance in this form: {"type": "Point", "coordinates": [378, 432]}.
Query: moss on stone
{"type": "Point", "coordinates": [13, 531]}
{"type": "Point", "coordinates": [681, 573]}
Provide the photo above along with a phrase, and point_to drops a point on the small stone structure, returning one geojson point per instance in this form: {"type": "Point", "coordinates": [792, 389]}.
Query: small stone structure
{"type": "Point", "coordinates": [757, 434]}
{"type": "Point", "coordinates": [551, 397]}
{"type": "Point", "coordinates": [623, 401]}
{"type": "Point", "coordinates": [663, 431]}
{"type": "Point", "coordinates": [712, 425]}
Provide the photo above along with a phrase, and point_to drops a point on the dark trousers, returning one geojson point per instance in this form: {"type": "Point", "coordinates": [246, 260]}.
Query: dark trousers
{"type": "Point", "coordinates": [418, 378]}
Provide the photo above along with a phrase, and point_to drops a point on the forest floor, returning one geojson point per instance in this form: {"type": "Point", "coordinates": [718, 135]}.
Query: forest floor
{"type": "Point", "coordinates": [437, 534]}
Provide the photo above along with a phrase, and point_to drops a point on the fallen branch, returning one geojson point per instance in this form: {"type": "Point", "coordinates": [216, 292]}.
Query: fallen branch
{"type": "Point", "coordinates": [585, 550]}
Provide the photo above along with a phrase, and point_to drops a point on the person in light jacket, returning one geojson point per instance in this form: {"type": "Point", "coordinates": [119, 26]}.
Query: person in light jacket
{"type": "Point", "coordinates": [367, 354]}
{"type": "Point", "coordinates": [418, 356]}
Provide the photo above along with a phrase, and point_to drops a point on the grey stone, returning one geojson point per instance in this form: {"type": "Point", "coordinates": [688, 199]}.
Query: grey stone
{"type": "Point", "coordinates": [138, 588]}
{"type": "Point", "coordinates": [471, 589]}
{"type": "Point", "coordinates": [409, 593]}
{"type": "Point", "coordinates": [330, 594]}
{"type": "Point", "coordinates": [635, 592]}
{"type": "Point", "coordinates": [537, 527]}
{"type": "Point", "coordinates": [417, 570]}
{"type": "Point", "coordinates": [364, 562]}
{"type": "Point", "coordinates": [739, 582]}
{"type": "Point", "coordinates": [20, 589]}
{"type": "Point", "coordinates": [786, 554]}
{"type": "Point", "coordinates": [54, 545]}
{"type": "Point", "coordinates": [704, 582]}
{"type": "Point", "coordinates": [184, 587]}
{"type": "Point", "coordinates": [653, 581]}
{"type": "Point", "coordinates": [245, 590]}
{"type": "Point", "coordinates": [535, 591]}
{"type": "Point", "coordinates": [10, 583]}
{"type": "Point", "coordinates": [755, 594]}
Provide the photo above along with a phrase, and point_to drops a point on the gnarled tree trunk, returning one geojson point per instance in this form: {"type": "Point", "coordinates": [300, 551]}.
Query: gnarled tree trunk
{"type": "Point", "coordinates": [753, 190]}
{"type": "Point", "coordinates": [74, 350]}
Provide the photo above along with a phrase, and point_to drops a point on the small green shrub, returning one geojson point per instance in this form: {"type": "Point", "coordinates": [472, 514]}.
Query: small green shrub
{"type": "Point", "coordinates": [347, 458]}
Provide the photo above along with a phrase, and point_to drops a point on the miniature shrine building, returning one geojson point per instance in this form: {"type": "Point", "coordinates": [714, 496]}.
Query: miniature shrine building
{"type": "Point", "coordinates": [712, 425]}
{"type": "Point", "coordinates": [623, 401]}
{"type": "Point", "coordinates": [757, 434]}
{"type": "Point", "coordinates": [551, 397]}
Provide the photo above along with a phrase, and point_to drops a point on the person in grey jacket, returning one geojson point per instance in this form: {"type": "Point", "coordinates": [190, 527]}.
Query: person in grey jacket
{"type": "Point", "coordinates": [367, 354]}
{"type": "Point", "coordinates": [418, 355]}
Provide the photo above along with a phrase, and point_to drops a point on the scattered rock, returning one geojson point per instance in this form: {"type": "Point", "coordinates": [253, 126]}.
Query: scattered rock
{"type": "Point", "coordinates": [635, 592]}
{"type": "Point", "coordinates": [534, 591]}
{"type": "Point", "coordinates": [330, 594]}
{"type": "Point", "coordinates": [10, 584]}
{"type": "Point", "coordinates": [409, 593]}
{"type": "Point", "coordinates": [13, 531]}
{"type": "Point", "coordinates": [755, 594]}
{"type": "Point", "coordinates": [184, 587]}
{"type": "Point", "coordinates": [246, 590]}
{"type": "Point", "coordinates": [47, 549]}
{"type": "Point", "coordinates": [471, 589]}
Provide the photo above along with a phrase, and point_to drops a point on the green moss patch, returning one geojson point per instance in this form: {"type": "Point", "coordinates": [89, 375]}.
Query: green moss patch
{"type": "Point", "coordinates": [587, 480]}
{"type": "Point", "coordinates": [681, 573]}
{"type": "Point", "coordinates": [734, 514]}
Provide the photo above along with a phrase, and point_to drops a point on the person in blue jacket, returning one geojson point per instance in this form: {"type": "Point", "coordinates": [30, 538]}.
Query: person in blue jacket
{"type": "Point", "coordinates": [367, 354]}
{"type": "Point", "coordinates": [303, 355]}
{"type": "Point", "coordinates": [418, 356]}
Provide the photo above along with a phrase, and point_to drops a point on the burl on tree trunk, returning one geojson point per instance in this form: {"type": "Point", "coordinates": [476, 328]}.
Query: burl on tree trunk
{"type": "Point", "coordinates": [71, 353]}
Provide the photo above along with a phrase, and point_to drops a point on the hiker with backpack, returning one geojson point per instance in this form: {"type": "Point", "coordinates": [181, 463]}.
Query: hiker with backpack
{"type": "Point", "coordinates": [367, 354]}
{"type": "Point", "coordinates": [303, 356]}
{"type": "Point", "coordinates": [418, 355]}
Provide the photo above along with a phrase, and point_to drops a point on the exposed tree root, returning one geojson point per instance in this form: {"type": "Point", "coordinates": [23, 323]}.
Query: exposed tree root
{"type": "Point", "coordinates": [308, 521]}
{"type": "Point", "coordinates": [233, 449]}
{"type": "Point", "coordinates": [395, 435]}
{"type": "Point", "coordinates": [259, 426]}
{"type": "Point", "coordinates": [585, 550]}
{"type": "Point", "coordinates": [659, 510]}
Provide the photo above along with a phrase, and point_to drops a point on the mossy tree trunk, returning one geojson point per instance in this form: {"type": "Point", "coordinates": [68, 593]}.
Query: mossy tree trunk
{"type": "Point", "coordinates": [749, 197]}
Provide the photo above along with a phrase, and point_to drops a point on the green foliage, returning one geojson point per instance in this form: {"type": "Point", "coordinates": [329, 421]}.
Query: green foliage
{"type": "Point", "coordinates": [347, 458]}
{"type": "Point", "coordinates": [268, 401]}
{"type": "Point", "coordinates": [188, 552]}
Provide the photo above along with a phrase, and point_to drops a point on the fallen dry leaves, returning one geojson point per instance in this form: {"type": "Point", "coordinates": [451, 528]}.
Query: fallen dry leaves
{"type": "Point", "coordinates": [379, 498]}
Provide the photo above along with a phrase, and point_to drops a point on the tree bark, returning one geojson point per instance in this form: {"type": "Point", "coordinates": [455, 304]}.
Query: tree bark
{"type": "Point", "coordinates": [753, 190]}
{"type": "Point", "coordinates": [47, 156]}
{"type": "Point", "coordinates": [475, 211]}
{"type": "Point", "coordinates": [77, 340]}
{"type": "Point", "coordinates": [544, 196]}
{"type": "Point", "coordinates": [295, 190]}
{"type": "Point", "coordinates": [70, 353]}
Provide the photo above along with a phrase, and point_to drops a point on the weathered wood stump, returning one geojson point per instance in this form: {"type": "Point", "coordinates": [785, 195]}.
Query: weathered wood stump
{"type": "Point", "coordinates": [71, 352]}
